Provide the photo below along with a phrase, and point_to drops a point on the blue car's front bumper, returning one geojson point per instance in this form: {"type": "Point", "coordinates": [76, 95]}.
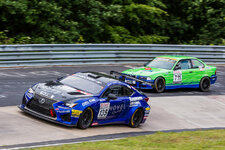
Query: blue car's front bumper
{"type": "Point", "coordinates": [39, 115]}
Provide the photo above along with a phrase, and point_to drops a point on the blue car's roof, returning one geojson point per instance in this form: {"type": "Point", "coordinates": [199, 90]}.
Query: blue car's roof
{"type": "Point", "coordinates": [97, 77]}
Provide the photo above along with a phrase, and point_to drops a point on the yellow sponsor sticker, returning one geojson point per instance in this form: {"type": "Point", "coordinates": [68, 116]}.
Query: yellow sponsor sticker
{"type": "Point", "coordinates": [147, 108]}
{"type": "Point", "coordinates": [76, 113]}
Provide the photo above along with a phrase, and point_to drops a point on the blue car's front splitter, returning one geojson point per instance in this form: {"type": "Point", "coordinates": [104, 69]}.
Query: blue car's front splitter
{"type": "Point", "coordinates": [36, 114]}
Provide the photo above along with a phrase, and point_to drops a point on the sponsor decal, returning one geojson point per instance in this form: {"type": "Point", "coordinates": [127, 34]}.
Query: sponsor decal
{"type": "Point", "coordinates": [63, 111]}
{"type": "Point", "coordinates": [201, 68]}
{"type": "Point", "coordinates": [29, 95]}
{"type": "Point", "coordinates": [85, 103]}
{"type": "Point", "coordinates": [177, 76]}
{"type": "Point", "coordinates": [148, 68]}
{"type": "Point", "coordinates": [76, 113]}
{"type": "Point", "coordinates": [135, 103]}
{"type": "Point", "coordinates": [147, 111]}
{"type": "Point", "coordinates": [63, 107]}
{"type": "Point", "coordinates": [208, 68]}
{"type": "Point", "coordinates": [94, 124]}
{"type": "Point", "coordinates": [135, 98]}
{"type": "Point", "coordinates": [103, 110]}
{"type": "Point", "coordinates": [117, 108]}
{"type": "Point", "coordinates": [148, 108]}
{"type": "Point", "coordinates": [92, 100]}
{"type": "Point", "coordinates": [43, 93]}
{"type": "Point", "coordinates": [101, 100]}
{"type": "Point", "coordinates": [41, 101]}
{"type": "Point", "coordinates": [57, 109]}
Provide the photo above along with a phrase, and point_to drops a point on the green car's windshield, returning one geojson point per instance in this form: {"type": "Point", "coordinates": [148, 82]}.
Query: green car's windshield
{"type": "Point", "coordinates": [163, 63]}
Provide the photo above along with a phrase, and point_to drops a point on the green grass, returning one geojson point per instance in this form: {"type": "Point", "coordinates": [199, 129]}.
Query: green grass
{"type": "Point", "coordinates": [188, 140]}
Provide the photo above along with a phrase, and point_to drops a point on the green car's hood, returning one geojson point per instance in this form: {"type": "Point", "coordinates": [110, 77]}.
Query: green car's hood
{"type": "Point", "coordinates": [145, 71]}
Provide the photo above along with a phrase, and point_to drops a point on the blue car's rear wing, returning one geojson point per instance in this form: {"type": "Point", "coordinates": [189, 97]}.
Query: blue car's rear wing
{"type": "Point", "coordinates": [122, 76]}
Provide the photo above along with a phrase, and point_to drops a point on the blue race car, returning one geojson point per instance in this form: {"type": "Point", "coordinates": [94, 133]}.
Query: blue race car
{"type": "Point", "coordinates": [86, 99]}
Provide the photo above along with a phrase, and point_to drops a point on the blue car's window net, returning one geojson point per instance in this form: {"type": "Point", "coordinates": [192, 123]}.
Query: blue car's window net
{"type": "Point", "coordinates": [82, 83]}
{"type": "Point", "coordinates": [163, 63]}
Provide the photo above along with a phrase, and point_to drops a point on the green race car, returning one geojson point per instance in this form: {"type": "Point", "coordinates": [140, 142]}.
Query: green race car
{"type": "Point", "coordinates": [171, 72]}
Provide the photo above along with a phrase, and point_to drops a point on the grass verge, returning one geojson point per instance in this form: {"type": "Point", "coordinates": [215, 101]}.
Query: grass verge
{"type": "Point", "coordinates": [188, 140]}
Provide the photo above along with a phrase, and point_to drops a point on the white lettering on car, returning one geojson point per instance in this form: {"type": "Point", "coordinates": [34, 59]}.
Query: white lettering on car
{"type": "Point", "coordinates": [92, 100]}
{"type": "Point", "coordinates": [135, 103]}
{"type": "Point", "coordinates": [43, 93]}
{"type": "Point", "coordinates": [117, 108]}
{"type": "Point", "coordinates": [63, 111]}
{"type": "Point", "coordinates": [85, 103]}
{"type": "Point", "coordinates": [135, 98]}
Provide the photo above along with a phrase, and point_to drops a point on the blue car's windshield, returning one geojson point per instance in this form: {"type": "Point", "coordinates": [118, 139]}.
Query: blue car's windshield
{"type": "Point", "coordinates": [83, 84]}
{"type": "Point", "coordinates": [162, 63]}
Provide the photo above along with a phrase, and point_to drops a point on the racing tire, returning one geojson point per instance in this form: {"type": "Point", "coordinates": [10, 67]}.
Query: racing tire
{"type": "Point", "coordinates": [159, 85]}
{"type": "Point", "coordinates": [204, 84]}
{"type": "Point", "coordinates": [85, 119]}
{"type": "Point", "coordinates": [136, 118]}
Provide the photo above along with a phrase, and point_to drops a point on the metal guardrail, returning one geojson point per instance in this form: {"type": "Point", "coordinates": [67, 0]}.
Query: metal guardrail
{"type": "Point", "coordinates": [73, 54]}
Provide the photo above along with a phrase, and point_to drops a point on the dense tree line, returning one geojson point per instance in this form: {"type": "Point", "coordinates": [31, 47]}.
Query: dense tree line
{"type": "Point", "coordinates": [112, 21]}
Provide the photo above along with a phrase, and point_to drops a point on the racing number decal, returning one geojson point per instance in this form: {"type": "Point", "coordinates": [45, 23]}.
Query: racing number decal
{"type": "Point", "coordinates": [103, 110]}
{"type": "Point", "coordinates": [177, 76]}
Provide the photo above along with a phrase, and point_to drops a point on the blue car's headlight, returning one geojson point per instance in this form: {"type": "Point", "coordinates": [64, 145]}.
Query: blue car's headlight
{"type": "Point", "coordinates": [71, 105]}
{"type": "Point", "coordinates": [31, 91]}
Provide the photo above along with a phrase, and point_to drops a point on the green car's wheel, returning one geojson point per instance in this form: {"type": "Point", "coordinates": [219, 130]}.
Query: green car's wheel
{"type": "Point", "coordinates": [85, 119]}
{"type": "Point", "coordinates": [204, 84]}
{"type": "Point", "coordinates": [159, 85]}
{"type": "Point", "coordinates": [136, 118]}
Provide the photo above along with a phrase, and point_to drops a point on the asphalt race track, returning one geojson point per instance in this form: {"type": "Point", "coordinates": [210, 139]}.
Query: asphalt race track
{"type": "Point", "coordinates": [15, 81]}
{"type": "Point", "coordinates": [181, 109]}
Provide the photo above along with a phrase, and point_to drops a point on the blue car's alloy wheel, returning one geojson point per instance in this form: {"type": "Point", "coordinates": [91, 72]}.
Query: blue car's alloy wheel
{"type": "Point", "coordinates": [86, 118]}
{"type": "Point", "coordinates": [136, 118]}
